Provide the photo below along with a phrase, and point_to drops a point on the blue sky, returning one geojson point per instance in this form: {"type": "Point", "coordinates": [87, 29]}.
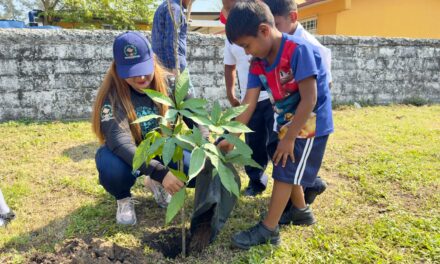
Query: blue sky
{"type": "Point", "coordinates": [207, 6]}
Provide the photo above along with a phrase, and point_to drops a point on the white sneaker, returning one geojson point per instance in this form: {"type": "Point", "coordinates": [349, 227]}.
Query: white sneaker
{"type": "Point", "coordinates": [6, 218]}
{"type": "Point", "coordinates": [161, 196]}
{"type": "Point", "coordinates": [125, 215]}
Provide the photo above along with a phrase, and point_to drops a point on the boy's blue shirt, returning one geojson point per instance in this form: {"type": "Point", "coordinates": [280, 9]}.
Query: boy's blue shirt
{"type": "Point", "coordinates": [296, 60]}
{"type": "Point", "coordinates": [162, 35]}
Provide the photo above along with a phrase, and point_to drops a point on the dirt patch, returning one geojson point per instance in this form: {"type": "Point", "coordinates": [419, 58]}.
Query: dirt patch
{"type": "Point", "coordinates": [89, 251]}
{"type": "Point", "coordinates": [169, 241]}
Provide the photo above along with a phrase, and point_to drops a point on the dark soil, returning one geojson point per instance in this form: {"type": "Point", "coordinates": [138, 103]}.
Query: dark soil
{"type": "Point", "coordinates": [90, 251]}
{"type": "Point", "coordinates": [167, 243]}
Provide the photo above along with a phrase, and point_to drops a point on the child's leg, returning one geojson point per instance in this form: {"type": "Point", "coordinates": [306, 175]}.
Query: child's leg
{"type": "Point", "coordinates": [297, 197]}
{"type": "Point", "coordinates": [280, 195]}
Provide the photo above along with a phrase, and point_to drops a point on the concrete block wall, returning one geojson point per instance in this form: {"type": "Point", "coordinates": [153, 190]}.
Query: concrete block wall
{"type": "Point", "coordinates": [54, 74]}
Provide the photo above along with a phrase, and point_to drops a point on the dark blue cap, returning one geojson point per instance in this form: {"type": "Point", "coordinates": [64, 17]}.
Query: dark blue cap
{"type": "Point", "coordinates": [133, 55]}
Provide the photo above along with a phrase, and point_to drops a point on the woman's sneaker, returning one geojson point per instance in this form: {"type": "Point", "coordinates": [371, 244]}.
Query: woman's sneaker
{"type": "Point", "coordinates": [161, 196]}
{"type": "Point", "coordinates": [6, 218]}
{"type": "Point", "coordinates": [125, 215]}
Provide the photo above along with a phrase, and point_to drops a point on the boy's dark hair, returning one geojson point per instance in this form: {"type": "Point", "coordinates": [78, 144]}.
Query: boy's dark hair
{"type": "Point", "coordinates": [245, 18]}
{"type": "Point", "coordinates": [281, 7]}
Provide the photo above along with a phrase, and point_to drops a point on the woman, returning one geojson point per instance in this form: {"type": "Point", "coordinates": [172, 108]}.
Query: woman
{"type": "Point", "coordinates": [119, 102]}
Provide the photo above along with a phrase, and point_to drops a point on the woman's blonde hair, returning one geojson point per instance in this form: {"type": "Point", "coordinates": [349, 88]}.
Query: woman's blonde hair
{"type": "Point", "coordinates": [117, 91]}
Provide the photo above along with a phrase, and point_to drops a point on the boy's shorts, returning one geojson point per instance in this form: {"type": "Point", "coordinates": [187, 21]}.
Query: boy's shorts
{"type": "Point", "coordinates": [308, 158]}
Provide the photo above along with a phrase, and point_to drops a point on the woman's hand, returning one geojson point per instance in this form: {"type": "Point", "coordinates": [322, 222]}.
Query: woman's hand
{"type": "Point", "coordinates": [171, 183]}
{"type": "Point", "coordinates": [284, 151]}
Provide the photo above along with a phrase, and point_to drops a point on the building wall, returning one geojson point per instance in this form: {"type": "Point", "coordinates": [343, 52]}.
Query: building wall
{"type": "Point", "coordinates": [384, 18]}
{"type": "Point", "coordinates": [54, 74]}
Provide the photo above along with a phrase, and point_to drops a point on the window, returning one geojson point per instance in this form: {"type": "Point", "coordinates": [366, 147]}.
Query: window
{"type": "Point", "coordinates": [310, 24]}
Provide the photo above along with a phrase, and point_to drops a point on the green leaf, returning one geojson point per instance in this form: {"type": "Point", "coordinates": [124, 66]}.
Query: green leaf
{"type": "Point", "coordinates": [194, 103]}
{"type": "Point", "coordinates": [199, 111]}
{"type": "Point", "coordinates": [159, 97]}
{"type": "Point", "coordinates": [168, 151]}
{"type": "Point", "coordinates": [197, 162]}
{"type": "Point", "coordinates": [180, 175]}
{"type": "Point", "coordinates": [177, 202]}
{"type": "Point", "coordinates": [236, 127]}
{"type": "Point", "coordinates": [178, 154]}
{"type": "Point", "coordinates": [182, 86]}
{"type": "Point", "coordinates": [201, 120]}
{"type": "Point", "coordinates": [178, 128]}
{"type": "Point", "coordinates": [213, 149]}
{"type": "Point", "coordinates": [184, 143]}
{"type": "Point", "coordinates": [155, 146]}
{"type": "Point", "coordinates": [227, 178]}
{"type": "Point", "coordinates": [141, 154]}
{"type": "Point", "coordinates": [215, 114]}
{"type": "Point", "coordinates": [166, 130]}
{"type": "Point", "coordinates": [187, 139]}
{"type": "Point", "coordinates": [245, 161]}
{"type": "Point", "coordinates": [242, 147]}
{"type": "Point", "coordinates": [232, 113]}
{"type": "Point", "coordinates": [171, 115]}
{"type": "Point", "coordinates": [146, 118]}
{"type": "Point", "coordinates": [216, 129]}
{"type": "Point", "coordinates": [197, 136]}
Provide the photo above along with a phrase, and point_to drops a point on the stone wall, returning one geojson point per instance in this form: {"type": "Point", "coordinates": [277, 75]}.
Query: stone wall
{"type": "Point", "coordinates": [54, 74]}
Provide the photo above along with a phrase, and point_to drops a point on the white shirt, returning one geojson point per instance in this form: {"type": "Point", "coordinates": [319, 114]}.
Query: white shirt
{"type": "Point", "coordinates": [326, 53]}
{"type": "Point", "coordinates": [235, 55]}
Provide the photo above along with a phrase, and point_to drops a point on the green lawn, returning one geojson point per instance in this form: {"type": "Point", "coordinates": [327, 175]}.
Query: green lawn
{"type": "Point", "coordinates": [382, 206]}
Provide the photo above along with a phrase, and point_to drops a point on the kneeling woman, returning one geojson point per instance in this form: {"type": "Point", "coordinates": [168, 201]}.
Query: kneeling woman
{"type": "Point", "coordinates": [119, 102]}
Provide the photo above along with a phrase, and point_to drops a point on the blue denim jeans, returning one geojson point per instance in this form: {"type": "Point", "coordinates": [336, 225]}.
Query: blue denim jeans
{"type": "Point", "coordinates": [117, 177]}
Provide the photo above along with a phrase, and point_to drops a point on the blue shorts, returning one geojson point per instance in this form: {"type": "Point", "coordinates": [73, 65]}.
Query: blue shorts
{"type": "Point", "coordinates": [308, 158]}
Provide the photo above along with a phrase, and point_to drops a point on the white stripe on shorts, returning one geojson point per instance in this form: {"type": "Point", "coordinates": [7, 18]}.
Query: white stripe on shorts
{"type": "Point", "coordinates": [305, 160]}
{"type": "Point", "coordinates": [301, 162]}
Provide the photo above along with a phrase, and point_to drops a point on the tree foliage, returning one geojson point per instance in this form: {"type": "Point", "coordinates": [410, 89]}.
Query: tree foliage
{"type": "Point", "coordinates": [119, 14]}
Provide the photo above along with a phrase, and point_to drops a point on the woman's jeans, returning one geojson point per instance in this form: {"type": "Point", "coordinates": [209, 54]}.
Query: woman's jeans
{"type": "Point", "coordinates": [117, 177]}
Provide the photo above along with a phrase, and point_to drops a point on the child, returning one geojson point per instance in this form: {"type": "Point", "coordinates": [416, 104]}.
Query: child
{"type": "Point", "coordinates": [119, 102]}
{"type": "Point", "coordinates": [291, 71]}
{"type": "Point", "coordinates": [6, 214]}
{"type": "Point", "coordinates": [262, 119]}
{"type": "Point", "coordinates": [285, 14]}
{"type": "Point", "coordinates": [162, 34]}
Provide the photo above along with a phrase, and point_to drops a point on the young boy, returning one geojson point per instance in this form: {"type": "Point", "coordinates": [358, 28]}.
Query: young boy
{"type": "Point", "coordinates": [292, 72]}
{"type": "Point", "coordinates": [236, 60]}
{"type": "Point", "coordinates": [285, 14]}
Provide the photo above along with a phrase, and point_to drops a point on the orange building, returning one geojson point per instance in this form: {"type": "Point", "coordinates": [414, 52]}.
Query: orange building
{"type": "Point", "coordinates": [384, 18]}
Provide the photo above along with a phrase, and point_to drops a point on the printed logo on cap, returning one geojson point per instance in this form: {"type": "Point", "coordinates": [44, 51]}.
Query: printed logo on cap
{"type": "Point", "coordinates": [131, 52]}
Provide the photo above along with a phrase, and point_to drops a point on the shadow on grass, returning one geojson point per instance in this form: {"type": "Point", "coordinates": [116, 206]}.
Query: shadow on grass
{"type": "Point", "coordinates": [82, 152]}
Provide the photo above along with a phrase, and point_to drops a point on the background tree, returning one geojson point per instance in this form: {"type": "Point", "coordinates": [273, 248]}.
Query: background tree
{"type": "Point", "coordinates": [18, 9]}
{"type": "Point", "coordinates": [120, 14]}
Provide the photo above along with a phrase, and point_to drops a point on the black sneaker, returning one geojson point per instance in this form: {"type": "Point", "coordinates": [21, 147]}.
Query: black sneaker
{"type": "Point", "coordinates": [310, 193]}
{"type": "Point", "coordinates": [256, 235]}
{"type": "Point", "coordinates": [296, 216]}
{"type": "Point", "coordinates": [253, 190]}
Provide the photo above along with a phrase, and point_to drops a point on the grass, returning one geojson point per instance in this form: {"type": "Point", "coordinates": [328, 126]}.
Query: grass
{"type": "Point", "coordinates": [382, 206]}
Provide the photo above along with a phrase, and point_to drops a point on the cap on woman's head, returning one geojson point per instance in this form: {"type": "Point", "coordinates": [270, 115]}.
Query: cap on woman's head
{"type": "Point", "coordinates": [133, 55]}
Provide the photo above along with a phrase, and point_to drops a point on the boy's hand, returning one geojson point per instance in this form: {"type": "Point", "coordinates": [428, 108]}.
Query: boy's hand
{"type": "Point", "coordinates": [284, 151]}
{"type": "Point", "coordinates": [225, 146]}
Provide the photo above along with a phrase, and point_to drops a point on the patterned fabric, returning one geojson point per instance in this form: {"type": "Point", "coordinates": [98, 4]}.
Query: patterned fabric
{"type": "Point", "coordinates": [296, 60]}
{"type": "Point", "coordinates": [162, 35]}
